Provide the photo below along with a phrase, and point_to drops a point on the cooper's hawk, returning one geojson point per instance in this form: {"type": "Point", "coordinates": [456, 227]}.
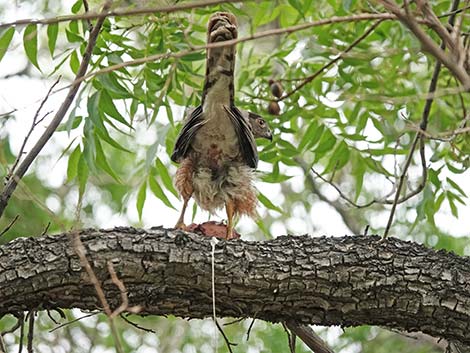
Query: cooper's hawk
{"type": "Point", "coordinates": [216, 146]}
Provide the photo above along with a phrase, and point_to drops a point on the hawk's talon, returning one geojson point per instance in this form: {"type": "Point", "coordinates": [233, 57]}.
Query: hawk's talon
{"type": "Point", "coordinates": [181, 226]}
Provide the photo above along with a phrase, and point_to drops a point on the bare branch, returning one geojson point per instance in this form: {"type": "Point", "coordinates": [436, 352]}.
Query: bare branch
{"type": "Point", "coordinates": [7, 228]}
{"type": "Point", "coordinates": [427, 43]}
{"type": "Point", "coordinates": [74, 320]}
{"type": "Point", "coordinates": [119, 13]}
{"type": "Point", "coordinates": [122, 290]}
{"type": "Point", "coordinates": [444, 136]}
{"type": "Point", "coordinates": [33, 153]}
{"type": "Point", "coordinates": [31, 129]}
{"type": "Point", "coordinates": [32, 314]}
{"type": "Point", "coordinates": [419, 137]}
{"type": "Point", "coordinates": [137, 326]}
{"type": "Point", "coordinates": [348, 221]}
{"type": "Point", "coordinates": [227, 342]}
{"type": "Point", "coordinates": [309, 337]}
{"type": "Point", "coordinates": [290, 338]}
{"type": "Point", "coordinates": [332, 62]}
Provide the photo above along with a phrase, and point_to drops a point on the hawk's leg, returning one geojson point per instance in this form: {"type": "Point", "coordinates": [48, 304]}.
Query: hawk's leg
{"type": "Point", "coordinates": [180, 224]}
{"type": "Point", "coordinates": [230, 208]}
{"type": "Point", "coordinates": [184, 184]}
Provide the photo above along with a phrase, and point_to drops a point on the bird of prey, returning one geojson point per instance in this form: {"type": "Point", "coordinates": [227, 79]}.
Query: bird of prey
{"type": "Point", "coordinates": [216, 146]}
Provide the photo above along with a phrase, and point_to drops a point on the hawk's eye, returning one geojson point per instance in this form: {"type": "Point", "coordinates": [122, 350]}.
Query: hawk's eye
{"type": "Point", "coordinates": [261, 122]}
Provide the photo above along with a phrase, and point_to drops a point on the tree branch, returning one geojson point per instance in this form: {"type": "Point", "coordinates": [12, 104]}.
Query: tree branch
{"type": "Point", "coordinates": [118, 13]}
{"type": "Point", "coordinates": [345, 281]}
{"type": "Point", "coordinates": [258, 35]}
{"type": "Point", "coordinates": [428, 43]}
{"type": "Point", "coordinates": [33, 153]}
{"type": "Point", "coordinates": [420, 137]}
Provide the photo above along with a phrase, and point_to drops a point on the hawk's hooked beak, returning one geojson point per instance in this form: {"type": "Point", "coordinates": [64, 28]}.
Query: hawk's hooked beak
{"type": "Point", "coordinates": [269, 135]}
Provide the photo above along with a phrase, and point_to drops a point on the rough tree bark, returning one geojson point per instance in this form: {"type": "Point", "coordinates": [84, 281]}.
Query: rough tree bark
{"type": "Point", "coordinates": [345, 281]}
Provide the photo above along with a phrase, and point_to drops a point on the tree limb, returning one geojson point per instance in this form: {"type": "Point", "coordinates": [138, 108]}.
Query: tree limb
{"type": "Point", "coordinates": [139, 11]}
{"type": "Point", "coordinates": [346, 281]}
{"type": "Point", "coordinates": [427, 42]}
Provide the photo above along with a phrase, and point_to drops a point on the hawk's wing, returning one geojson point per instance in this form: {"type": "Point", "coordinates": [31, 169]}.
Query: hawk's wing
{"type": "Point", "coordinates": [192, 124]}
{"type": "Point", "coordinates": [246, 140]}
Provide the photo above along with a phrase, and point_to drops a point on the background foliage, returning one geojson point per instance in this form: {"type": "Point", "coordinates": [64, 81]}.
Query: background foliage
{"type": "Point", "coordinates": [353, 124]}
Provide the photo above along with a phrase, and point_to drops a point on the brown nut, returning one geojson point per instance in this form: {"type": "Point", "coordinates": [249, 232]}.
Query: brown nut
{"type": "Point", "coordinates": [274, 108]}
{"type": "Point", "coordinates": [276, 88]}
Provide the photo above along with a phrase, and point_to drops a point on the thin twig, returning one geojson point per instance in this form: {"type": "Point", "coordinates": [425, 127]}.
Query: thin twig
{"type": "Point", "coordinates": [44, 232]}
{"type": "Point", "coordinates": [122, 289]}
{"type": "Point", "coordinates": [31, 129]}
{"type": "Point", "coordinates": [52, 318]}
{"type": "Point", "coordinates": [7, 228]}
{"type": "Point", "coordinates": [428, 43]}
{"type": "Point", "coordinates": [7, 114]}
{"type": "Point", "coordinates": [290, 338]}
{"type": "Point", "coordinates": [74, 320]}
{"type": "Point", "coordinates": [309, 337]}
{"type": "Point", "coordinates": [249, 328]}
{"type": "Point", "coordinates": [33, 153]}
{"type": "Point", "coordinates": [401, 181]}
{"type": "Point", "coordinates": [234, 321]}
{"type": "Point", "coordinates": [454, 12]}
{"type": "Point", "coordinates": [443, 92]}
{"type": "Point", "coordinates": [419, 137]}
{"type": "Point", "coordinates": [87, 10]}
{"type": "Point", "coordinates": [119, 13]}
{"type": "Point", "coordinates": [227, 342]}
{"type": "Point", "coordinates": [2, 345]}
{"type": "Point", "coordinates": [21, 339]}
{"type": "Point", "coordinates": [137, 326]}
{"type": "Point", "coordinates": [310, 78]}
{"type": "Point", "coordinates": [345, 216]}
{"type": "Point", "coordinates": [31, 331]}
{"type": "Point", "coordinates": [341, 194]}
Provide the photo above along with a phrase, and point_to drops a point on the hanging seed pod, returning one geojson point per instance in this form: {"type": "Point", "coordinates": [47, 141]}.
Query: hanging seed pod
{"type": "Point", "coordinates": [274, 108]}
{"type": "Point", "coordinates": [276, 88]}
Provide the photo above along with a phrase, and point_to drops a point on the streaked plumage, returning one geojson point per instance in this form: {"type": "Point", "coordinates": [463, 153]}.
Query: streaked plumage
{"type": "Point", "coordinates": [216, 146]}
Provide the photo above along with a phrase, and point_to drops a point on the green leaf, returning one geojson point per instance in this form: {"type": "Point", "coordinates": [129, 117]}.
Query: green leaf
{"type": "Point", "coordinates": [158, 192]}
{"type": "Point", "coordinates": [111, 83]}
{"type": "Point", "coordinates": [5, 40]}
{"type": "Point", "coordinates": [107, 105]}
{"type": "Point", "coordinates": [96, 116]}
{"type": "Point", "coordinates": [102, 162]}
{"type": "Point", "coordinates": [296, 4]}
{"type": "Point", "coordinates": [141, 196]}
{"type": "Point", "coordinates": [82, 174]}
{"type": "Point", "coordinates": [327, 141]}
{"type": "Point", "coordinates": [194, 212]}
{"type": "Point", "coordinates": [52, 31]}
{"type": "Point", "coordinates": [76, 6]}
{"type": "Point", "coordinates": [74, 62]}
{"type": "Point", "coordinates": [453, 207]}
{"type": "Point", "coordinates": [72, 166]}
{"type": "Point", "coordinates": [194, 56]}
{"type": "Point", "coordinates": [308, 139]}
{"type": "Point", "coordinates": [162, 171]}
{"type": "Point", "coordinates": [358, 170]}
{"type": "Point", "coordinates": [30, 42]}
{"type": "Point", "coordinates": [268, 204]}
{"type": "Point", "coordinates": [339, 157]}
{"type": "Point", "coordinates": [456, 186]}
